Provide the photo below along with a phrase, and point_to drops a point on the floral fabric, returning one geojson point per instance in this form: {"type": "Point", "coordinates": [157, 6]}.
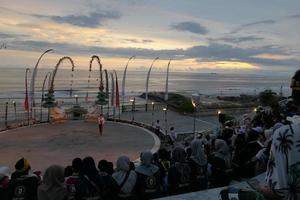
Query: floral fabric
{"type": "Point", "coordinates": [283, 171]}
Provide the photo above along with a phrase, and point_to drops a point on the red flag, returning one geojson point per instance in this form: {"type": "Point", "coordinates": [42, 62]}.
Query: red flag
{"type": "Point", "coordinates": [26, 102]}
{"type": "Point", "coordinates": [117, 91]}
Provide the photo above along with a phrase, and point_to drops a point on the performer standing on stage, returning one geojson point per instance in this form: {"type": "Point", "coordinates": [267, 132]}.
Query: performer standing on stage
{"type": "Point", "coordinates": [101, 122]}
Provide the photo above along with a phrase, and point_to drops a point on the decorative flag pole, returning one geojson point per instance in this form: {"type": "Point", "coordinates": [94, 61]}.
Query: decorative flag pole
{"type": "Point", "coordinates": [26, 101]}
{"type": "Point", "coordinates": [49, 101]}
{"type": "Point", "coordinates": [123, 81]}
{"type": "Point", "coordinates": [43, 89]}
{"type": "Point", "coordinates": [147, 83]}
{"type": "Point", "coordinates": [167, 83]}
{"type": "Point", "coordinates": [101, 97]}
{"type": "Point", "coordinates": [106, 91]}
{"type": "Point", "coordinates": [117, 94]}
{"type": "Point", "coordinates": [112, 99]}
{"type": "Point", "coordinates": [32, 83]}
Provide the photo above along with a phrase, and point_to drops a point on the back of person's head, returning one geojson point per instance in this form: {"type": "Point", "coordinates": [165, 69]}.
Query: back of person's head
{"type": "Point", "coordinates": [110, 168]}
{"type": "Point", "coordinates": [155, 158]}
{"type": "Point", "coordinates": [22, 166]}
{"type": "Point", "coordinates": [163, 154]}
{"type": "Point", "coordinates": [146, 158]}
{"type": "Point", "coordinates": [102, 166]}
{"type": "Point", "coordinates": [172, 128]}
{"type": "Point", "coordinates": [76, 165]}
{"type": "Point", "coordinates": [123, 163]}
{"type": "Point", "coordinates": [252, 136]}
{"type": "Point", "coordinates": [131, 166]}
{"type": "Point", "coordinates": [178, 154]}
{"type": "Point", "coordinates": [189, 152]}
{"type": "Point", "coordinates": [68, 171]}
{"type": "Point", "coordinates": [54, 176]}
{"type": "Point", "coordinates": [4, 172]}
{"type": "Point", "coordinates": [295, 85]}
{"type": "Point", "coordinates": [221, 146]}
{"type": "Point", "coordinates": [88, 166]}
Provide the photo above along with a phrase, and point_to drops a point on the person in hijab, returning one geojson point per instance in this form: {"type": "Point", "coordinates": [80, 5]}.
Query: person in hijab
{"type": "Point", "coordinates": [4, 181]}
{"type": "Point", "coordinates": [90, 183]}
{"type": "Point", "coordinates": [148, 184]}
{"type": "Point", "coordinates": [124, 178]}
{"type": "Point", "coordinates": [198, 165]}
{"type": "Point", "coordinates": [179, 175]}
{"type": "Point", "coordinates": [23, 185]}
{"type": "Point", "coordinates": [52, 187]}
{"type": "Point", "coordinates": [220, 162]}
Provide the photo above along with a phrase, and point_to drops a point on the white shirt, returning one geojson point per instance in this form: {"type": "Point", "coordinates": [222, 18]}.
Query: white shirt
{"type": "Point", "coordinates": [284, 163]}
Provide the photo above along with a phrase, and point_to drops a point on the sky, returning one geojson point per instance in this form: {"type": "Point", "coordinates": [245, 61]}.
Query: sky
{"type": "Point", "coordinates": [244, 36]}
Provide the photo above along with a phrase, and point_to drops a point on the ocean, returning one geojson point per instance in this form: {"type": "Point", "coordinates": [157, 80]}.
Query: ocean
{"type": "Point", "coordinates": [12, 83]}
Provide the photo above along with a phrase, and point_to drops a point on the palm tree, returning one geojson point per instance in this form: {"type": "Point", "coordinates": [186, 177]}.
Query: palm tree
{"type": "Point", "coordinates": [285, 145]}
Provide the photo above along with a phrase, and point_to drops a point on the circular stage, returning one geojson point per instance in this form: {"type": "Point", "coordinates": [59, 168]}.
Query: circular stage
{"type": "Point", "coordinates": [47, 144]}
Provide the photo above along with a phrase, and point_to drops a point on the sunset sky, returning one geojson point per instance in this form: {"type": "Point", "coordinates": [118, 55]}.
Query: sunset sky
{"type": "Point", "coordinates": [200, 35]}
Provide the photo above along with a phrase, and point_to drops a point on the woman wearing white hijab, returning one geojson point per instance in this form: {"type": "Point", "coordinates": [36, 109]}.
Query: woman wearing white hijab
{"type": "Point", "coordinates": [125, 178]}
{"type": "Point", "coordinates": [52, 187]}
{"type": "Point", "coordinates": [198, 165]}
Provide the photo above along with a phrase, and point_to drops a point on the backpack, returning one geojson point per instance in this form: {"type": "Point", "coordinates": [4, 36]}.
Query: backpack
{"type": "Point", "coordinates": [23, 188]}
{"type": "Point", "coordinates": [89, 188]}
{"type": "Point", "coordinates": [71, 186]}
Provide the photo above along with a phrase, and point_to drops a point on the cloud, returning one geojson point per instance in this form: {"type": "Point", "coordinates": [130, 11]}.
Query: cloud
{"type": "Point", "coordinates": [263, 22]}
{"type": "Point", "coordinates": [92, 20]}
{"type": "Point", "coordinates": [213, 52]}
{"type": "Point", "coordinates": [10, 36]}
{"type": "Point", "coordinates": [192, 27]}
{"type": "Point", "coordinates": [257, 23]}
{"type": "Point", "coordinates": [139, 41]}
{"type": "Point", "coordinates": [294, 16]}
{"type": "Point", "coordinates": [236, 40]}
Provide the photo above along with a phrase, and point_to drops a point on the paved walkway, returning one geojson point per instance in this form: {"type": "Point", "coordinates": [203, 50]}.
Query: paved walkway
{"type": "Point", "coordinates": [181, 123]}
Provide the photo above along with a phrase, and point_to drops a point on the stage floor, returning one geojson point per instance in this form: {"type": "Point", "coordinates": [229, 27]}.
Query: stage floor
{"type": "Point", "coordinates": [48, 144]}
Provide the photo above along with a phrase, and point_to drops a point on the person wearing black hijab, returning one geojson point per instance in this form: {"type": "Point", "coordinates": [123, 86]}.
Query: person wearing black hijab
{"type": "Point", "coordinates": [90, 183]}
{"type": "Point", "coordinates": [179, 176]}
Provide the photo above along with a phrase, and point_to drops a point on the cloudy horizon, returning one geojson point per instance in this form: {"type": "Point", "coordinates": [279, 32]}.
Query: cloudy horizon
{"type": "Point", "coordinates": [206, 36]}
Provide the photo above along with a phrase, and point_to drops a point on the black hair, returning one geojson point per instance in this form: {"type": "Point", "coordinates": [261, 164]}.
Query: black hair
{"type": "Point", "coordinates": [68, 171]}
{"type": "Point", "coordinates": [77, 165]}
{"type": "Point", "coordinates": [102, 166]}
